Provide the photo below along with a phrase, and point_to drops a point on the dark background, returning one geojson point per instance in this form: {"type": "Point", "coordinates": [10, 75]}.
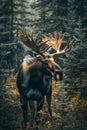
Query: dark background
{"type": "Point", "coordinates": [45, 16]}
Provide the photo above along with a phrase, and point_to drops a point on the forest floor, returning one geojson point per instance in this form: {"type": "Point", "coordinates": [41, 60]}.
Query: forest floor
{"type": "Point", "coordinates": [64, 114]}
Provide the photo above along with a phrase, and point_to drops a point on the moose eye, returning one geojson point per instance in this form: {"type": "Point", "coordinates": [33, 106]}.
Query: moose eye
{"type": "Point", "coordinates": [49, 56]}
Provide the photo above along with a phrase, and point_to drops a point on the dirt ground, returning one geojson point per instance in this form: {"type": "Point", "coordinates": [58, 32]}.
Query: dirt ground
{"type": "Point", "coordinates": [64, 114]}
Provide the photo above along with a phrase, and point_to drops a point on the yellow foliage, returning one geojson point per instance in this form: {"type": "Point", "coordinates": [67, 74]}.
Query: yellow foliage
{"type": "Point", "coordinates": [77, 103]}
{"type": "Point", "coordinates": [15, 0]}
{"type": "Point", "coordinates": [75, 99]}
{"type": "Point", "coordinates": [48, 122]}
{"type": "Point", "coordinates": [54, 87]}
{"type": "Point", "coordinates": [11, 80]}
{"type": "Point", "coordinates": [15, 93]}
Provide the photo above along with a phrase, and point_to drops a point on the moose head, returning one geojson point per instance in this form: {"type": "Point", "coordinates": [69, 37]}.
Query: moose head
{"type": "Point", "coordinates": [34, 79]}
{"type": "Point", "coordinates": [46, 58]}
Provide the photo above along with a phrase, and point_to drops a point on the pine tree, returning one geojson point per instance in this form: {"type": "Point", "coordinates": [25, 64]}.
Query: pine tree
{"type": "Point", "coordinates": [52, 15]}
{"type": "Point", "coordinates": [75, 61]}
{"type": "Point", "coordinates": [13, 16]}
{"type": "Point", "coordinates": [6, 20]}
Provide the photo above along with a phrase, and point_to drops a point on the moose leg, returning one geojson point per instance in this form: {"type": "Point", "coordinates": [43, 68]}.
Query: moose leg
{"type": "Point", "coordinates": [40, 102]}
{"type": "Point", "coordinates": [25, 82]}
{"type": "Point", "coordinates": [48, 98]}
{"type": "Point", "coordinates": [24, 107]}
{"type": "Point", "coordinates": [32, 109]}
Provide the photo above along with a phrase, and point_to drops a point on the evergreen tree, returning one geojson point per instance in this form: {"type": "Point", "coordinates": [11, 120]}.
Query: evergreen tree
{"type": "Point", "coordinates": [13, 15]}
{"type": "Point", "coordinates": [6, 20]}
{"type": "Point", "coordinates": [75, 61]}
{"type": "Point", "coordinates": [6, 34]}
{"type": "Point", "coordinates": [21, 15]}
{"type": "Point", "coordinates": [52, 15]}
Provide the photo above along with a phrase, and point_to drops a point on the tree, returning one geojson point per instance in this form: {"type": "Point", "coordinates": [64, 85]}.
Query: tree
{"type": "Point", "coordinates": [13, 16]}
{"type": "Point", "coordinates": [75, 61]}
{"type": "Point", "coordinates": [52, 15]}
{"type": "Point", "coordinates": [6, 20]}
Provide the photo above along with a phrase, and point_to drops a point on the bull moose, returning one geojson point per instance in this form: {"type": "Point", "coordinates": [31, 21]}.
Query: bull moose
{"type": "Point", "coordinates": [34, 79]}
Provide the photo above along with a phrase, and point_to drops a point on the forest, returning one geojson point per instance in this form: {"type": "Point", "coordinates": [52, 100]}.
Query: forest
{"type": "Point", "coordinates": [69, 96]}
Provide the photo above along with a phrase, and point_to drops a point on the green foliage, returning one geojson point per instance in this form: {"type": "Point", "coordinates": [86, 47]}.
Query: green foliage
{"type": "Point", "coordinates": [75, 62]}
{"type": "Point", "coordinates": [52, 15]}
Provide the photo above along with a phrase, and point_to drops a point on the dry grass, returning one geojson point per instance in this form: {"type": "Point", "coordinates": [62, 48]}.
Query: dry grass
{"type": "Point", "coordinates": [76, 109]}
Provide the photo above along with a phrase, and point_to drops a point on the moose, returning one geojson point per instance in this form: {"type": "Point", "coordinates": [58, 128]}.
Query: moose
{"type": "Point", "coordinates": [34, 79]}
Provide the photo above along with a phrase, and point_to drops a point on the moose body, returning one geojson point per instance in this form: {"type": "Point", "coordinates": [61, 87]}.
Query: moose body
{"type": "Point", "coordinates": [34, 79]}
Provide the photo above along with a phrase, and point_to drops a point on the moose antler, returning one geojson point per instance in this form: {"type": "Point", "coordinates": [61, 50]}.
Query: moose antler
{"type": "Point", "coordinates": [31, 42]}
{"type": "Point", "coordinates": [51, 41]}
{"type": "Point", "coordinates": [56, 43]}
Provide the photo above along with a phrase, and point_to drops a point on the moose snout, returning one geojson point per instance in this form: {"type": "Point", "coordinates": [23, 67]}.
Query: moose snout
{"type": "Point", "coordinates": [58, 75]}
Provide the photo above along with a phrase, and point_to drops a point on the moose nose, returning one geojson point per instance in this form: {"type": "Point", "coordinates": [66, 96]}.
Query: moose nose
{"type": "Point", "coordinates": [58, 75]}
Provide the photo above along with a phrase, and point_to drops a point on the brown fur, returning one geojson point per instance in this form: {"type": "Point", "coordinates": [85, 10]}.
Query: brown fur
{"type": "Point", "coordinates": [26, 65]}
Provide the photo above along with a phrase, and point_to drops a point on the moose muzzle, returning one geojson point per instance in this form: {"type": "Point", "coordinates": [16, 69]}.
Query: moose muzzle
{"type": "Point", "coordinates": [57, 73]}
